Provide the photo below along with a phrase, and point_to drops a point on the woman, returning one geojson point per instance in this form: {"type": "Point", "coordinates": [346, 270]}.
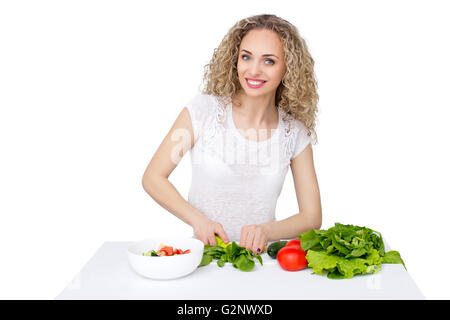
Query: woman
{"type": "Point", "coordinates": [253, 120]}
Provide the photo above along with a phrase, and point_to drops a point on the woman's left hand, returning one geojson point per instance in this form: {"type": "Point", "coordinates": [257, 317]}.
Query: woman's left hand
{"type": "Point", "coordinates": [253, 237]}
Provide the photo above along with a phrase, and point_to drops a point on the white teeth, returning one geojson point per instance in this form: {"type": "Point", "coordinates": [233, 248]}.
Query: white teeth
{"type": "Point", "coordinates": [255, 83]}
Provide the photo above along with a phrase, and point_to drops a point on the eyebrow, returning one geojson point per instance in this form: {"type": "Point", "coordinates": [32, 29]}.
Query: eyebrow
{"type": "Point", "coordinates": [264, 55]}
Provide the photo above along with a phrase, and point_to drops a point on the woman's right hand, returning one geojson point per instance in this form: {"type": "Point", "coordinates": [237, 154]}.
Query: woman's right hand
{"type": "Point", "coordinates": [206, 229]}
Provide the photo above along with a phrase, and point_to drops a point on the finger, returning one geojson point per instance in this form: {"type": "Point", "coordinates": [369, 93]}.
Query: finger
{"type": "Point", "coordinates": [249, 239]}
{"type": "Point", "coordinates": [204, 240]}
{"type": "Point", "coordinates": [255, 239]}
{"type": "Point", "coordinates": [255, 242]}
{"type": "Point", "coordinates": [259, 242]}
{"type": "Point", "coordinates": [212, 239]}
{"type": "Point", "coordinates": [221, 233]}
{"type": "Point", "coordinates": [242, 241]}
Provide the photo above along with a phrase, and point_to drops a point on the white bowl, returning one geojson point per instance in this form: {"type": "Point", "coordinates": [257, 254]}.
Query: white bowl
{"type": "Point", "coordinates": [170, 267]}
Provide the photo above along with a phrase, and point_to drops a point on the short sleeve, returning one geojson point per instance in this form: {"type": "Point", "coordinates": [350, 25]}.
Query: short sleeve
{"type": "Point", "coordinates": [302, 139]}
{"type": "Point", "coordinates": [199, 108]}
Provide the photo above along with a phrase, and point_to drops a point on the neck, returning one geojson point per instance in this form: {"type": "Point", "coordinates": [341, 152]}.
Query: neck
{"type": "Point", "coordinates": [261, 111]}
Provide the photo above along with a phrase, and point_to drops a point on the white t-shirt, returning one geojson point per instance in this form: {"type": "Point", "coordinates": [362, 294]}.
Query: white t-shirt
{"type": "Point", "coordinates": [237, 181]}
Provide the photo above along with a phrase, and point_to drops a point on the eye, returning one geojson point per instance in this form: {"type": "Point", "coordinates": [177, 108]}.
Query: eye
{"type": "Point", "coordinates": [246, 56]}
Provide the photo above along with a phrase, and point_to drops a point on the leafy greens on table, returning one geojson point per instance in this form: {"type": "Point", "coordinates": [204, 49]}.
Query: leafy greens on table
{"type": "Point", "coordinates": [240, 257]}
{"type": "Point", "coordinates": [346, 250]}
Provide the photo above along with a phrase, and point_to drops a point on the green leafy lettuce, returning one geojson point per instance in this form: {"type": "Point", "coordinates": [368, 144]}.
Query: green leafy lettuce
{"type": "Point", "coordinates": [346, 250]}
{"type": "Point", "coordinates": [238, 256]}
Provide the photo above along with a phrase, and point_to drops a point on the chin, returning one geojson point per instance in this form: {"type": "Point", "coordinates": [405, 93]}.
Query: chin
{"type": "Point", "coordinates": [257, 92]}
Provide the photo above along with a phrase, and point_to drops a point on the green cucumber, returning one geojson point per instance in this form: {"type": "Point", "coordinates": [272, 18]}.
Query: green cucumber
{"type": "Point", "coordinates": [273, 249]}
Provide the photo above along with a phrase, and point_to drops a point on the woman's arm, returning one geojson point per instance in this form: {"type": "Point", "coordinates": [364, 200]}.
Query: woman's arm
{"type": "Point", "coordinates": [156, 182]}
{"type": "Point", "coordinates": [308, 198]}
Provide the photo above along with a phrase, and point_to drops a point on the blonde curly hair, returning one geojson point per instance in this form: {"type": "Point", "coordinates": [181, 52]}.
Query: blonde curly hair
{"type": "Point", "coordinates": [297, 92]}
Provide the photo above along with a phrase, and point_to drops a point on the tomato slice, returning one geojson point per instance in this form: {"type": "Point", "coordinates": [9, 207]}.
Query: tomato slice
{"type": "Point", "coordinates": [161, 253]}
{"type": "Point", "coordinates": [170, 251]}
{"type": "Point", "coordinates": [167, 250]}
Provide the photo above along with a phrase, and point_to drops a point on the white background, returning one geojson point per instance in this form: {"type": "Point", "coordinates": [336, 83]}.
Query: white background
{"type": "Point", "coordinates": [88, 90]}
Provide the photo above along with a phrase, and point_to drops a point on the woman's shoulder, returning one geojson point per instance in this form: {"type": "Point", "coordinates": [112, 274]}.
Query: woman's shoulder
{"type": "Point", "coordinates": [201, 102]}
{"type": "Point", "coordinates": [203, 109]}
{"type": "Point", "coordinates": [295, 137]}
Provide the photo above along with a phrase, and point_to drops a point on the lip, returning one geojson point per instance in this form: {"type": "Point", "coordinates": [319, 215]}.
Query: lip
{"type": "Point", "coordinates": [253, 86]}
{"type": "Point", "coordinates": [253, 79]}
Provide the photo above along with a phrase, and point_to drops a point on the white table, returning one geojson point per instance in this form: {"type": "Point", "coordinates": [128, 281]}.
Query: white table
{"type": "Point", "coordinates": [108, 276]}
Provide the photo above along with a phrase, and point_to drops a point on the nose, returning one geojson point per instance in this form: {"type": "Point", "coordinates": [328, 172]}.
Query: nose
{"type": "Point", "coordinates": [255, 69]}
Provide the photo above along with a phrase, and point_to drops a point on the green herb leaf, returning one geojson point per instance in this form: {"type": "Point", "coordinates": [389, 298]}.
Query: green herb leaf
{"type": "Point", "coordinates": [206, 259]}
{"type": "Point", "coordinates": [244, 263]}
{"type": "Point", "coordinates": [259, 258]}
{"type": "Point", "coordinates": [240, 257]}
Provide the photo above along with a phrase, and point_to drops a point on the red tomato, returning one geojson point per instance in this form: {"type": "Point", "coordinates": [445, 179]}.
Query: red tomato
{"type": "Point", "coordinates": [167, 250]}
{"type": "Point", "coordinates": [295, 243]}
{"type": "Point", "coordinates": [292, 259]}
{"type": "Point", "coordinates": [170, 251]}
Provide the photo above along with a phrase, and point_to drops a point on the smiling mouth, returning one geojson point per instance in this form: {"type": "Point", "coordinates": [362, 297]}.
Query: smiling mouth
{"type": "Point", "coordinates": [255, 84]}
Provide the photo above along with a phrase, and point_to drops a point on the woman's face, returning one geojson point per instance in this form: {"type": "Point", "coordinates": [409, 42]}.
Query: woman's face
{"type": "Point", "coordinates": [261, 58]}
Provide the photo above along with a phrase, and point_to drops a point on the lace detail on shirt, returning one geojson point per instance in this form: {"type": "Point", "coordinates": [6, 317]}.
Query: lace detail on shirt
{"type": "Point", "coordinates": [213, 126]}
{"type": "Point", "coordinates": [290, 133]}
{"type": "Point", "coordinates": [221, 115]}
